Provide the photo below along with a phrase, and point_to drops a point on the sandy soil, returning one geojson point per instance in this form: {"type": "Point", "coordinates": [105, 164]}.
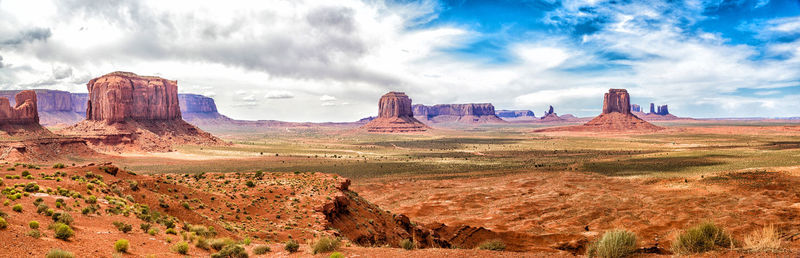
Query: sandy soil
{"type": "Point", "coordinates": [576, 206]}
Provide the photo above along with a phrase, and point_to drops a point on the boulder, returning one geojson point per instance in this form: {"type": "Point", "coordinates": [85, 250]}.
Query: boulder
{"type": "Point", "coordinates": [118, 96]}
{"type": "Point", "coordinates": [395, 115]}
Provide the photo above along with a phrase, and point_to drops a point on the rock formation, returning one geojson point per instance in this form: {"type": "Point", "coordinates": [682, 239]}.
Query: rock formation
{"type": "Point", "coordinates": [23, 139]}
{"type": "Point", "coordinates": [636, 108]}
{"type": "Point", "coordinates": [118, 96]}
{"type": "Point", "coordinates": [395, 115]}
{"type": "Point", "coordinates": [194, 103]}
{"type": "Point", "coordinates": [23, 112]}
{"type": "Point", "coordinates": [472, 113]}
{"type": "Point", "coordinates": [125, 111]}
{"type": "Point", "coordinates": [657, 113]}
{"type": "Point", "coordinates": [616, 116]}
{"type": "Point", "coordinates": [550, 116]}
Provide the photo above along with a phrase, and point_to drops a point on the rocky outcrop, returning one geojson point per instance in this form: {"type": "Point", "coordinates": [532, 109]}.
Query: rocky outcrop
{"type": "Point", "coordinates": [128, 112]}
{"type": "Point", "coordinates": [616, 116]}
{"type": "Point", "coordinates": [617, 100]}
{"type": "Point", "coordinates": [657, 113]}
{"type": "Point", "coordinates": [395, 115]}
{"type": "Point", "coordinates": [119, 96]}
{"type": "Point", "coordinates": [636, 108]}
{"type": "Point", "coordinates": [472, 113]}
{"type": "Point", "coordinates": [24, 111]}
{"type": "Point", "coordinates": [79, 101]}
{"type": "Point", "coordinates": [550, 116]}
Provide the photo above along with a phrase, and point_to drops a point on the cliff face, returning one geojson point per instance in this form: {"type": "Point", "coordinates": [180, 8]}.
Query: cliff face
{"type": "Point", "coordinates": [395, 115]}
{"type": "Point", "coordinates": [462, 113]}
{"type": "Point", "coordinates": [118, 96]}
{"type": "Point", "coordinates": [23, 112]}
{"type": "Point", "coordinates": [79, 101]}
{"type": "Point", "coordinates": [617, 100]}
{"type": "Point", "coordinates": [194, 103]}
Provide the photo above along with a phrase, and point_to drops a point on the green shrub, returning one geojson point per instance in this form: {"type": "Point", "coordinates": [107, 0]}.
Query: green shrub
{"type": "Point", "coordinates": [91, 199]}
{"type": "Point", "coordinates": [33, 224]}
{"type": "Point", "coordinates": [291, 246]}
{"type": "Point", "coordinates": [17, 207]}
{"type": "Point", "coordinates": [261, 249]}
{"type": "Point", "coordinates": [121, 245]}
{"type": "Point", "coordinates": [325, 244]}
{"type": "Point", "coordinates": [171, 231]}
{"type": "Point", "coordinates": [701, 238]}
{"type": "Point", "coordinates": [41, 208]}
{"type": "Point", "coordinates": [494, 245]}
{"type": "Point", "coordinates": [231, 251]}
{"type": "Point", "coordinates": [220, 243]}
{"type": "Point", "coordinates": [3, 223]}
{"type": "Point", "coordinates": [34, 233]}
{"type": "Point", "coordinates": [62, 217]}
{"type": "Point", "coordinates": [337, 255]}
{"type": "Point", "coordinates": [59, 165]}
{"type": "Point", "coordinates": [145, 226]}
{"type": "Point", "coordinates": [250, 184]}
{"type": "Point", "coordinates": [63, 231]}
{"type": "Point", "coordinates": [407, 244]}
{"type": "Point", "coordinates": [121, 226]}
{"type": "Point", "coordinates": [181, 248]}
{"type": "Point", "coordinates": [152, 231]}
{"type": "Point", "coordinates": [202, 243]}
{"type": "Point", "coordinates": [613, 244]}
{"type": "Point", "coordinates": [58, 253]}
{"type": "Point", "coordinates": [31, 187]}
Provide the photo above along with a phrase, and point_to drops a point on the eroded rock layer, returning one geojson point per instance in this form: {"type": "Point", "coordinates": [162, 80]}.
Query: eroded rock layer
{"type": "Point", "coordinates": [395, 115]}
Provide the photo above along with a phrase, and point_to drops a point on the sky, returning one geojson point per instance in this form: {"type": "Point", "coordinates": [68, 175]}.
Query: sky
{"type": "Point", "coordinates": [320, 61]}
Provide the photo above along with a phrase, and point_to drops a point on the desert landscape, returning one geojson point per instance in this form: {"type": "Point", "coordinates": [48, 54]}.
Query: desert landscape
{"type": "Point", "coordinates": [421, 128]}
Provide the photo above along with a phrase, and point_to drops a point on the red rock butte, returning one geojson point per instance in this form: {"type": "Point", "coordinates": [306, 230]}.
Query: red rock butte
{"type": "Point", "coordinates": [24, 112]}
{"type": "Point", "coordinates": [617, 115]}
{"type": "Point", "coordinates": [118, 96]}
{"type": "Point", "coordinates": [395, 115]}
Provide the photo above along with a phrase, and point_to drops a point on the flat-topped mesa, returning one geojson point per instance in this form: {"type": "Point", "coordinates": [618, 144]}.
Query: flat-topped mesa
{"type": "Point", "coordinates": [515, 113]}
{"type": "Point", "coordinates": [395, 115]}
{"type": "Point", "coordinates": [194, 103]}
{"type": "Point", "coordinates": [617, 100]}
{"type": "Point", "coordinates": [118, 96]}
{"type": "Point", "coordinates": [460, 113]}
{"type": "Point", "coordinates": [23, 112]}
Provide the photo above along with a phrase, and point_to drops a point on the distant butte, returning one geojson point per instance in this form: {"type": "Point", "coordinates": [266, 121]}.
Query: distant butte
{"type": "Point", "coordinates": [616, 116]}
{"type": "Point", "coordinates": [395, 115]}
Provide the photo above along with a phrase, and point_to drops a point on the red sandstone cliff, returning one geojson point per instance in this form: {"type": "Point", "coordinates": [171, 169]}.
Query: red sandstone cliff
{"type": "Point", "coordinates": [118, 96]}
{"type": "Point", "coordinates": [23, 112]}
{"type": "Point", "coordinates": [395, 115]}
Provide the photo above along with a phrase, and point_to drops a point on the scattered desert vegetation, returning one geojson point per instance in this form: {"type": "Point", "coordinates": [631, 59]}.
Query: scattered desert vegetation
{"type": "Point", "coordinates": [704, 237]}
{"type": "Point", "coordinates": [613, 244]}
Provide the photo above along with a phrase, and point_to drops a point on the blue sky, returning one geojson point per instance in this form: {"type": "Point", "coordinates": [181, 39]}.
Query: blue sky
{"type": "Point", "coordinates": [308, 60]}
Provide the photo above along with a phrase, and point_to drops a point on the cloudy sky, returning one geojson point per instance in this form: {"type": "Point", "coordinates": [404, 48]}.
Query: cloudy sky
{"type": "Point", "coordinates": [317, 60]}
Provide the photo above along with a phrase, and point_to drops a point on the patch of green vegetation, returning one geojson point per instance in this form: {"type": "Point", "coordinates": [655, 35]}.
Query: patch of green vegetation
{"type": "Point", "coordinates": [58, 253]}
{"type": "Point", "coordinates": [492, 245]}
{"type": "Point", "coordinates": [613, 244]}
{"type": "Point", "coordinates": [701, 238]}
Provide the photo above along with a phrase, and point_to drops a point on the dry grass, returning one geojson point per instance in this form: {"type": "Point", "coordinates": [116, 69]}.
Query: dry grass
{"type": "Point", "coordinates": [613, 244]}
{"type": "Point", "coordinates": [702, 238]}
{"type": "Point", "coordinates": [766, 239]}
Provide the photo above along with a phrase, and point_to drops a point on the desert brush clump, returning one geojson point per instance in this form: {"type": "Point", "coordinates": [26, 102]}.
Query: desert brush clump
{"type": "Point", "coordinates": [493, 245]}
{"type": "Point", "coordinates": [58, 253]}
{"type": "Point", "coordinates": [3, 223]}
{"type": "Point", "coordinates": [122, 245]}
{"type": "Point", "coordinates": [33, 224]}
{"type": "Point", "coordinates": [62, 231]}
{"type": "Point", "coordinates": [220, 243]}
{"type": "Point", "coordinates": [291, 246]}
{"type": "Point", "coordinates": [613, 244]}
{"type": "Point", "coordinates": [766, 239]}
{"type": "Point", "coordinates": [701, 238]}
{"type": "Point", "coordinates": [261, 249]}
{"type": "Point", "coordinates": [181, 248]}
{"type": "Point", "coordinates": [325, 244]}
{"type": "Point", "coordinates": [337, 255]}
{"type": "Point", "coordinates": [407, 244]}
{"type": "Point", "coordinates": [231, 251]}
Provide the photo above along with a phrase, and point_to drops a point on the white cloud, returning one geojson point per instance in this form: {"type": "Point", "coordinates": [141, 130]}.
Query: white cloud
{"type": "Point", "coordinates": [279, 94]}
{"type": "Point", "coordinates": [327, 98]}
